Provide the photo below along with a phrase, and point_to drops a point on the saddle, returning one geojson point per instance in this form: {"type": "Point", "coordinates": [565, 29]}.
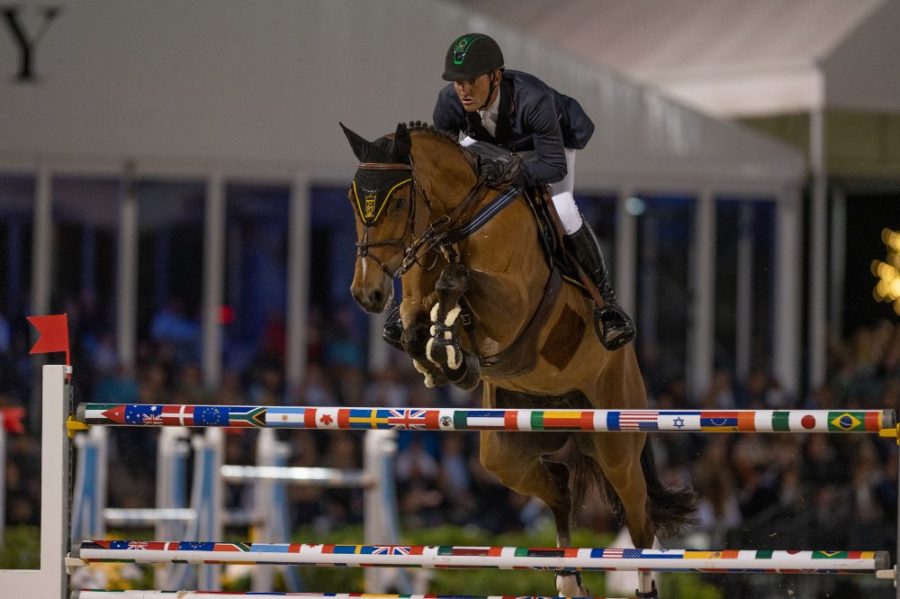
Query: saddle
{"type": "Point", "coordinates": [499, 168]}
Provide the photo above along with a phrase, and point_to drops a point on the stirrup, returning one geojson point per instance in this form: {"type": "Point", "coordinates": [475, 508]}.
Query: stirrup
{"type": "Point", "coordinates": [392, 332]}
{"type": "Point", "coordinates": [613, 327]}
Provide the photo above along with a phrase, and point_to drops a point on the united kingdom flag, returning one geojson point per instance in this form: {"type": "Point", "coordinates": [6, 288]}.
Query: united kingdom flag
{"type": "Point", "coordinates": [138, 545]}
{"type": "Point", "coordinates": [390, 550]}
{"type": "Point", "coordinates": [152, 418]}
{"type": "Point", "coordinates": [408, 420]}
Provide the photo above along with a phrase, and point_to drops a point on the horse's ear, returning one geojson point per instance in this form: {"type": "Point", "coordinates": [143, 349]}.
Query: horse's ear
{"type": "Point", "coordinates": [402, 143]}
{"type": "Point", "coordinates": [358, 144]}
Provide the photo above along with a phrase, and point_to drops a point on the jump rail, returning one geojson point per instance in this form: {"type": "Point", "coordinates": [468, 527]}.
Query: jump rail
{"type": "Point", "coordinates": [204, 595]}
{"type": "Point", "coordinates": [883, 422]}
{"type": "Point", "coordinates": [505, 558]}
{"type": "Point", "coordinates": [50, 580]}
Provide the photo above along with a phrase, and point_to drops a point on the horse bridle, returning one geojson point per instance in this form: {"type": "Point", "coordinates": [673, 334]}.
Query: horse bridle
{"type": "Point", "coordinates": [433, 237]}
{"type": "Point", "coordinates": [362, 247]}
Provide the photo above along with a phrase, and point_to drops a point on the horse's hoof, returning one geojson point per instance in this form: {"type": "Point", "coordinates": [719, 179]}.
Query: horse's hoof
{"type": "Point", "coordinates": [434, 377]}
{"type": "Point", "coordinates": [651, 594]}
{"type": "Point", "coordinates": [569, 585]}
{"type": "Point", "coordinates": [443, 348]}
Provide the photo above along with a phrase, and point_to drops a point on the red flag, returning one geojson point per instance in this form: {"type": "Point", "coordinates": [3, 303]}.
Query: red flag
{"type": "Point", "coordinates": [53, 331]}
{"type": "Point", "coordinates": [12, 420]}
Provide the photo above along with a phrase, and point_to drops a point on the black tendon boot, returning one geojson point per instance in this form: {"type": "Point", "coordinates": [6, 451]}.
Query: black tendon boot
{"type": "Point", "coordinates": [614, 327]}
{"type": "Point", "coordinates": [393, 328]}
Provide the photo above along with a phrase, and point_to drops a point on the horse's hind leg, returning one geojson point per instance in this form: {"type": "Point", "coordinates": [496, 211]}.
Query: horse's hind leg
{"type": "Point", "coordinates": [559, 465]}
{"type": "Point", "coordinates": [619, 457]}
{"type": "Point", "coordinates": [518, 460]}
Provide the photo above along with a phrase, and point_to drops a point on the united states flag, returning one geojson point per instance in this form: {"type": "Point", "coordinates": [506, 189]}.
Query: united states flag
{"type": "Point", "coordinates": [639, 421]}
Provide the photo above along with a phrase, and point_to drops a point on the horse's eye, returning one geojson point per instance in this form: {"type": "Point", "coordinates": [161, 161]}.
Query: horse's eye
{"type": "Point", "coordinates": [398, 203]}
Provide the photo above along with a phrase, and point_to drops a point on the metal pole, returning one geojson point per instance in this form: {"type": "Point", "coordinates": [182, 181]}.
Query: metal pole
{"type": "Point", "coordinates": [213, 279]}
{"type": "Point", "coordinates": [126, 272]}
{"type": "Point", "coordinates": [788, 264]}
{"type": "Point", "coordinates": [702, 272]}
{"type": "Point", "coordinates": [818, 248]}
{"type": "Point", "coordinates": [744, 304]}
{"type": "Point", "coordinates": [298, 282]}
{"type": "Point", "coordinates": [625, 275]}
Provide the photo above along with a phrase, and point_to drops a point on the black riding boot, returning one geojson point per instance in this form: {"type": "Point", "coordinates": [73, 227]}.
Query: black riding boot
{"type": "Point", "coordinates": [393, 328]}
{"type": "Point", "coordinates": [614, 327]}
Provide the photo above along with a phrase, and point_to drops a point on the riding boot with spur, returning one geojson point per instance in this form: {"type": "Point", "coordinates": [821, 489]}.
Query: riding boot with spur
{"type": "Point", "coordinates": [393, 328]}
{"type": "Point", "coordinates": [614, 327]}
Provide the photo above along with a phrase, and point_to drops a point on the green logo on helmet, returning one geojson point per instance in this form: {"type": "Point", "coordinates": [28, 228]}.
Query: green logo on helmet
{"type": "Point", "coordinates": [461, 47]}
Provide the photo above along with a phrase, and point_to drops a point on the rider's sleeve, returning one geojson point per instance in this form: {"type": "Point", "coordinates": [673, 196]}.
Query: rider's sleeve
{"type": "Point", "coordinates": [548, 162]}
{"type": "Point", "coordinates": [449, 115]}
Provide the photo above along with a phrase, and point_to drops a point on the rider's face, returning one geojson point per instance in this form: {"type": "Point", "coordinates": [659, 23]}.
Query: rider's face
{"type": "Point", "coordinates": [473, 93]}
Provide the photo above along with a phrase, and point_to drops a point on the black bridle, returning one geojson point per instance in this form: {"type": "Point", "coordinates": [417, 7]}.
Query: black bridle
{"type": "Point", "coordinates": [363, 247]}
{"type": "Point", "coordinates": [438, 235]}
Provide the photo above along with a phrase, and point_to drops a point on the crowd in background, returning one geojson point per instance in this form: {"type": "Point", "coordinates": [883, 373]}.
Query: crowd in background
{"type": "Point", "coordinates": [770, 491]}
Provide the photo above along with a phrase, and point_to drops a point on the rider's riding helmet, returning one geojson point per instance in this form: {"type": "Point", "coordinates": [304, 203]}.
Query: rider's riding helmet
{"type": "Point", "coordinates": [470, 56]}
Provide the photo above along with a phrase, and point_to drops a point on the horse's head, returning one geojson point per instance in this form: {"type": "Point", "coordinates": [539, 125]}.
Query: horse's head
{"type": "Point", "coordinates": [382, 196]}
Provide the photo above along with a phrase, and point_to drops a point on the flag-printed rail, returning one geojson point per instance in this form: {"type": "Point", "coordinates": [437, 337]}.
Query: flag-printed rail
{"type": "Point", "coordinates": [460, 419]}
{"type": "Point", "coordinates": [507, 558]}
{"type": "Point", "coordinates": [131, 594]}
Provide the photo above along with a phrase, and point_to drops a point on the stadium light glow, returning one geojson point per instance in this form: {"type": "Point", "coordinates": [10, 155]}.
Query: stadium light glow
{"type": "Point", "coordinates": [887, 289]}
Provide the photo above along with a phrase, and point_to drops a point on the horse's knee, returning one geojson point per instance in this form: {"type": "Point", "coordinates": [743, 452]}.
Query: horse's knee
{"type": "Point", "coordinates": [490, 456]}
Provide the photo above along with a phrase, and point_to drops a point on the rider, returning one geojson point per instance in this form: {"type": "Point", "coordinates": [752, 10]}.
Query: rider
{"type": "Point", "coordinates": [520, 113]}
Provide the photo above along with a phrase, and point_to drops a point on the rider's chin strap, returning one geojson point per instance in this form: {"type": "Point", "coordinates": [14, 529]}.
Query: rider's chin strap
{"type": "Point", "coordinates": [491, 89]}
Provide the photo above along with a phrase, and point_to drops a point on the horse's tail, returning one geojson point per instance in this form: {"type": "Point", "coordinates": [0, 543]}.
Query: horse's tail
{"type": "Point", "coordinates": [670, 510]}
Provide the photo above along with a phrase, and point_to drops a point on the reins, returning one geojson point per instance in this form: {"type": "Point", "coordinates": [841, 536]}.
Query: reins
{"type": "Point", "coordinates": [441, 235]}
{"type": "Point", "coordinates": [438, 233]}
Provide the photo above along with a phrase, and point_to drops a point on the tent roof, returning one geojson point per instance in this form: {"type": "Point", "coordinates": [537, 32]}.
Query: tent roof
{"type": "Point", "coordinates": [729, 57]}
{"type": "Point", "coordinates": [224, 85]}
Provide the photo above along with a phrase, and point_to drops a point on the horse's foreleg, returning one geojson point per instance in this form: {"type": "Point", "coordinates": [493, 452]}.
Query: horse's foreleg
{"type": "Point", "coordinates": [415, 339]}
{"type": "Point", "coordinates": [443, 348]}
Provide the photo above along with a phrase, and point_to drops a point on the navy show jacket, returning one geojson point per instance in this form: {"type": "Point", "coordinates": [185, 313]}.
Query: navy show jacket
{"type": "Point", "coordinates": [533, 117]}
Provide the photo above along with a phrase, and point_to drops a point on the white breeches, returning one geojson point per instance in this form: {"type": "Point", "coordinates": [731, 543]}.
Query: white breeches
{"type": "Point", "coordinates": [564, 199]}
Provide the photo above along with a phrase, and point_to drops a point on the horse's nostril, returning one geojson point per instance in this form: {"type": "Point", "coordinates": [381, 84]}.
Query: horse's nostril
{"type": "Point", "coordinates": [376, 298]}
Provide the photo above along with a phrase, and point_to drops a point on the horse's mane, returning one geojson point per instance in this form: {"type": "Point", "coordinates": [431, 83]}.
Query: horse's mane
{"type": "Point", "coordinates": [422, 127]}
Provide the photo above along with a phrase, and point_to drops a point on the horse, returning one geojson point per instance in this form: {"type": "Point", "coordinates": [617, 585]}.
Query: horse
{"type": "Point", "coordinates": [481, 303]}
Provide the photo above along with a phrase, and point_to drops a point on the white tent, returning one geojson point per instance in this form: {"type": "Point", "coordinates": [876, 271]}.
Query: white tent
{"type": "Point", "coordinates": [805, 59]}
{"type": "Point", "coordinates": [229, 90]}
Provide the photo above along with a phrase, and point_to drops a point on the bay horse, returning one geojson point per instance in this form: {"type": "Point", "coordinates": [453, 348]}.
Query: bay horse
{"type": "Point", "coordinates": [467, 252]}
